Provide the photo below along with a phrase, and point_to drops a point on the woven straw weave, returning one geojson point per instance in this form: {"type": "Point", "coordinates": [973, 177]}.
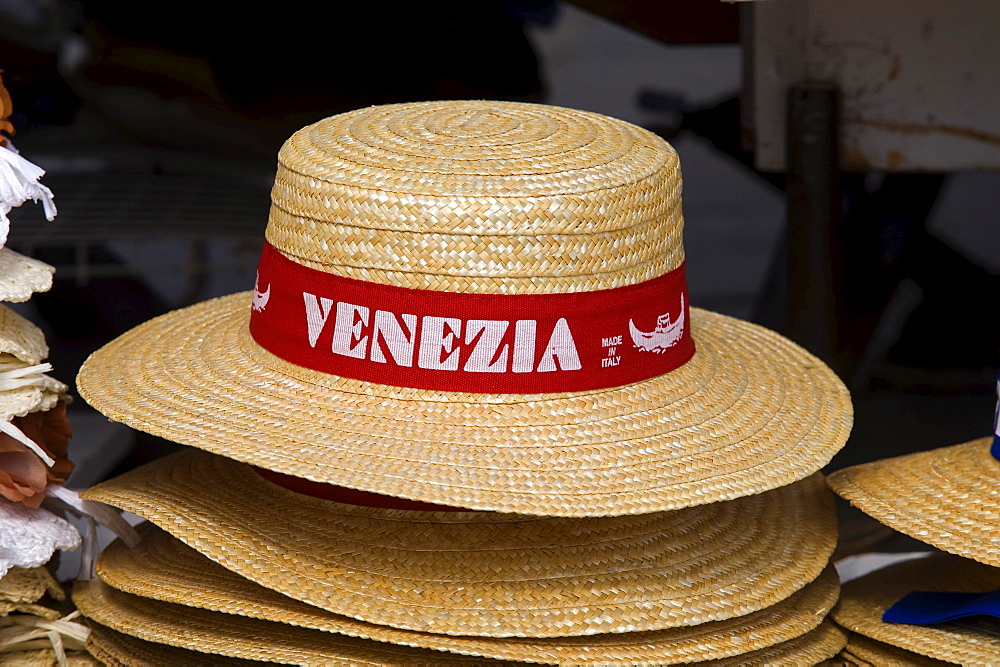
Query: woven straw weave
{"type": "Point", "coordinates": [812, 648]}
{"type": "Point", "coordinates": [947, 497]}
{"type": "Point", "coordinates": [490, 574]}
{"type": "Point", "coordinates": [239, 637]}
{"type": "Point", "coordinates": [489, 198]}
{"type": "Point", "coordinates": [974, 641]}
{"type": "Point", "coordinates": [862, 651]}
{"type": "Point", "coordinates": [162, 568]}
{"type": "Point", "coordinates": [115, 649]}
{"type": "Point", "coordinates": [236, 636]}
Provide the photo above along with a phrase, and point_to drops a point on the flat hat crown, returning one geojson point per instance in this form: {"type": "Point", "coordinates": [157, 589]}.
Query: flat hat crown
{"type": "Point", "coordinates": [479, 196]}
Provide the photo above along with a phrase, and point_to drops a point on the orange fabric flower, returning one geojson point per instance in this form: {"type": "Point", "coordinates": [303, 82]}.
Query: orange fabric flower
{"type": "Point", "coordinates": [23, 476]}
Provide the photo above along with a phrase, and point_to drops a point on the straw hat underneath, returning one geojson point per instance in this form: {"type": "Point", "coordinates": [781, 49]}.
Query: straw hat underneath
{"type": "Point", "coordinates": [974, 641]}
{"type": "Point", "coordinates": [861, 650]}
{"type": "Point", "coordinates": [21, 276]}
{"type": "Point", "coordinates": [238, 636]}
{"type": "Point", "coordinates": [485, 573]}
{"type": "Point", "coordinates": [948, 497]}
{"type": "Point", "coordinates": [115, 649]}
{"type": "Point", "coordinates": [164, 569]}
{"type": "Point", "coordinates": [477, 202]}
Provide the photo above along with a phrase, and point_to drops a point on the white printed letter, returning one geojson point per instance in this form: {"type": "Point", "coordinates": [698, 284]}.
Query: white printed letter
{"type": "Point", "coordinates": [485, 350]}
{"type": "Point", "coordinates": [399, 345]}
{"type": "Point", "coordinates": [561, 348]}
{"type": "Point", "coordinates": [346, 330]}
{"type": "Point", "coordinates": [317, 312]}
{"type": "Point", "coordinates": [524, 346]}
{"type": "Point", "coordinates": [434, 339]}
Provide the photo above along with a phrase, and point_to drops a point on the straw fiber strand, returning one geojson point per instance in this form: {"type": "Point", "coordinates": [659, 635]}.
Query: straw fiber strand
{"type": "Point", "coordinates": [947, 497]}
{"type": "Point", "coordinates": [861, 650]}
{"type": "Point", "coordinates": [163, 568]}
{"type": "Point", "coordinates": [239, 637]}
{"type": "Point", "coordinates": [751, 411]}
{"type": "Point", "coordinates": [115, 649]}
{"type": "Point", "coordinates": [974, 641]}
{"type": "Point", "coordinates": [21, 276]}
{"type": "Point", "coordinates": [495, 573]}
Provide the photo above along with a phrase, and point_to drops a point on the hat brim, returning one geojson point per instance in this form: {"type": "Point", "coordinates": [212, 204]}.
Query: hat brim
{"type": "Point", "coordinates": [236, 636]}
{"type": "Point", "coordinates": [255, 639]}
{"type": "Point", "coordinates": [861, 650]}
{"type": "Point", "coordinates": [163, 568]}
{"type": "Point", "coordinates": [751, 411]}
{"type": "Point", "coordinates": [966, 642]}
{"type": "Point", "coordinates": [116, 649]}
{"type": "Point", "coordinates": [485, 573]}
{"type": "Point", "coordinates": [947, 497]}
{"type": "Point", "coordinates": [21, 276]}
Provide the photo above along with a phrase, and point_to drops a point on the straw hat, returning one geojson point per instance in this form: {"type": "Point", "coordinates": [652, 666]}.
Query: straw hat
{"type": "Point", "coordinates": [164, 569]}
{"type": "Point", "coordinates": [21, 276]}
{"type": "Point", "coordinates": [115, 649]}
{"type": "Point", "coordinates": [947, 497]}
{"type": "Point", "coordinates": [541, 248]}
{"type": "Point", "coordinates": [861, 650]}
{"type": "Point", "coordinates": [250, 638]}
{"type": "Point", "coordinates": [239, 637]}
{"type": "Point", "coordinates": [486, 573]}
{"type": "Point", "coordinates": [967, 642]}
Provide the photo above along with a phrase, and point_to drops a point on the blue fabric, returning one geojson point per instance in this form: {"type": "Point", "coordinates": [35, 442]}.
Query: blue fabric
{"type": "Point", "coordinates": [995, 449]}
{"type": "Point", "coordinates": [923, 608]}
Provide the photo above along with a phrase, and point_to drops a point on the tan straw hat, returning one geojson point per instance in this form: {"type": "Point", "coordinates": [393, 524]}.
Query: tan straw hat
{"type": "Point", "coordinates": [21, 276]}
{"type": "Point", "coordinates": [484, 573]}
{"type": "Point", "coordinates": [162, 568]}
{"type": "Point", "coordinates": [948, 497]}
{"type": "Point", "coordinates": [115, 649]}
{"type": "Point", "coordinates": [861, 650]}
{"type": "Point", "coordinates": [971, 641]}
{"type": "Point", "coordinates": [246, 637]}
{"type": "Point", "coordinates": [480, 304]}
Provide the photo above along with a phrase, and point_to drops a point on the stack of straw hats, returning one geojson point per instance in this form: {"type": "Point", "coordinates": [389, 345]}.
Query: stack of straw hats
{"type": "Point", "coordinates": [947, 497]}
{"type": "Point", "coordinates": [467, 413]}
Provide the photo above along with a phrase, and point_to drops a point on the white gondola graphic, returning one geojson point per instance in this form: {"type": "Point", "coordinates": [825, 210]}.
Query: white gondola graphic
{"type": "Point", "coordinates": [260, 298]}
{"type": "Point", "coordinates": [664, 336]}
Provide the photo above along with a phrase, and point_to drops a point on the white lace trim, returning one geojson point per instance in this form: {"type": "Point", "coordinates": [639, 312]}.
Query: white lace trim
{"type": "Point", "coordinates": [19, 183]}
